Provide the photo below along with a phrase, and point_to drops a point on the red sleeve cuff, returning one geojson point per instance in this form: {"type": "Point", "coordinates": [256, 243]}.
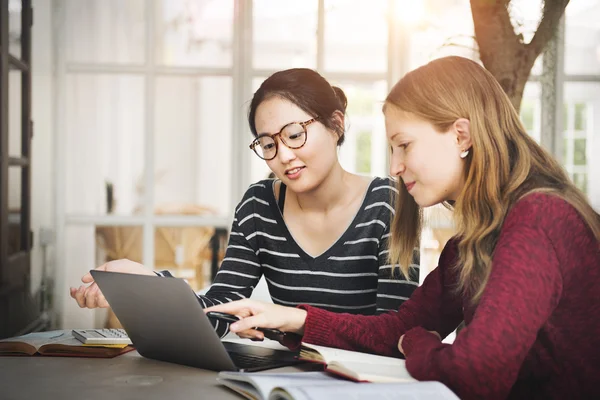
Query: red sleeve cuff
{"type": "Point", "coordinates": [317, 325]}
{"type": "Point", "coordinates": [418, 338]}
{"type": "Point", "coordinates": [316, 328]}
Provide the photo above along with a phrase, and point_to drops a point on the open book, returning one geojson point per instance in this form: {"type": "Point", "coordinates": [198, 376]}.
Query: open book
{"type": "Point", "coordinates": [320, 385]}
{"type": "Point", "coordinates": [57, 343]}
{"type": "Point", "coordinates": [360, 367]}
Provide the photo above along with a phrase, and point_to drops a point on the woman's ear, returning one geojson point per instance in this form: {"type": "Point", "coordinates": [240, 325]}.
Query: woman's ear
{"type": "Point", "coordinates": [462, 129]}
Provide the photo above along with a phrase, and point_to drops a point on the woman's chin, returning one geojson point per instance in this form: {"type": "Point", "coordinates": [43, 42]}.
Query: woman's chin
{"type": "Point", "coordinates": [424, 201]}
{"type": "Point", "coordinates": [302, 186]}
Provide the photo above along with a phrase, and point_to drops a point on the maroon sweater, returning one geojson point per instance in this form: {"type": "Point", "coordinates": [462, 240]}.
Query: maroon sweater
{"type": "Point", "coordinates": [535, 332]}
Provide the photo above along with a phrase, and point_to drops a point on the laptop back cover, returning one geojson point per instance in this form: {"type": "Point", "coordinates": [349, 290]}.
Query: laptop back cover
{"type": "Point", "coordinates": [164, 319]}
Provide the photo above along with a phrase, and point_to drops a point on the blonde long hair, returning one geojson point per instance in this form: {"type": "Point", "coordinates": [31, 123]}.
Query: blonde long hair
{"type": "Point", "coordinates": [503, 165]}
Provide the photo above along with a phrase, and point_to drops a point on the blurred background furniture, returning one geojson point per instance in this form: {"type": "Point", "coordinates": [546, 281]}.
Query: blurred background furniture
{"type": "Point", "coordinates": [189, 252]}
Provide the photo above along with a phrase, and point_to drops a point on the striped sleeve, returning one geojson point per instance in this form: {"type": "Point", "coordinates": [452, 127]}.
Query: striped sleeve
{"type": "Point", "coordinates": [240, 270]}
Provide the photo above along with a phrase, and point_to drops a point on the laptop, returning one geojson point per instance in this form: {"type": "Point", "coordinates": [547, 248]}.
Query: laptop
{"type": "Point", "coordinates": [165, 321]}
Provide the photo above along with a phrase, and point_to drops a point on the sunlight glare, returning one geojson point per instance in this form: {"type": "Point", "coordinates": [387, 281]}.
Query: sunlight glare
{"type": "Point", "coordinates": [409, 12]}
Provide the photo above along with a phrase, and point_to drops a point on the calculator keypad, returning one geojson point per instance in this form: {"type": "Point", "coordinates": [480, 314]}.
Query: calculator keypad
{"type": "Point", "coordinates": [102, 336]}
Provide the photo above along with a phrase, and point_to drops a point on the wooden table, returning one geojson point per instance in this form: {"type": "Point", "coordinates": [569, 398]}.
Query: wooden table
{"type": "Point", "coordinates": [129, 376]}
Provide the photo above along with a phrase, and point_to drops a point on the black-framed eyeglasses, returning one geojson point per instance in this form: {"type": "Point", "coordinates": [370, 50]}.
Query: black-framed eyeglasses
{"type": "Point", "coordinates": [293, 135]}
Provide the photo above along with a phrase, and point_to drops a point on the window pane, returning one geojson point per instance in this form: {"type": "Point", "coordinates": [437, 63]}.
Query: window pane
{"type": "Point", "coordinates": [284, 36]}
{"type": "Point", "coordinates": [579, 157]}
{"type": "Point", "coordinates": [567, 152]}
{"type": "Point", "coordinates": [14, 113]}
{"type": "Point", "coordinates": [363, 156]}
{"type": "Point", "coordinates": [582, 104]}
{"type": "Point", "coordinates": [527, 113]}
{"type": "Point", "coordinates": [105, 31]}
{"type": "Point", "coordinates": [580, 117]}
{"type": "Point", "coordinates": [186, 252]}
{"type": "Point", "coordinates": [197, 33]}
{"type": "Point", "coordinates": [583, 100]}
{"type": "Point", "coordinates": [364, 117]}
{"type": "Point", "coordinates": [259, 169]}
{"type": "Point", "coordinates": [581, 181]}
{"type": "Point", "coordinates": [437, 35]}
{"type": "Point", "coordinates": [14, 189]}
{"type": "Point", "coordinates": [14, 27]}
{"type": "Point", "coordinates": [356, 35]}
{"type": "Point", "coordinates": [104, 142]}
{"type": "Point", "coordinates": [582, 37]}
{"type": "Point", "coordinates": [14, 209]}
{"type": "Point", "coordinates": [193, 144]}
{"type": "Point", "coordinates": [531, 110]}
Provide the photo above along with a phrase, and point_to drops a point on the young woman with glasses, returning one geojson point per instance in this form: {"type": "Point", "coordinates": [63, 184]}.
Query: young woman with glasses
{"type": "Point", "coordinates": [318, 233]}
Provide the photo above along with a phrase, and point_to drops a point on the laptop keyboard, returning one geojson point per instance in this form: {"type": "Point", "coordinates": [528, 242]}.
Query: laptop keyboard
{"type": "Point", "coordinates": [244, 361]}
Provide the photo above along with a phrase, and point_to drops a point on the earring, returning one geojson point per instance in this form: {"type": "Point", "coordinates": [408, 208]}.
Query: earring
{"type": "Point", "coordinates": [464, 154]}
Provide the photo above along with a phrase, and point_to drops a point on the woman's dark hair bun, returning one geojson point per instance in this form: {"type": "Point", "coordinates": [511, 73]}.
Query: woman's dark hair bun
{"type": "Point", "coordinates": [339, 93]}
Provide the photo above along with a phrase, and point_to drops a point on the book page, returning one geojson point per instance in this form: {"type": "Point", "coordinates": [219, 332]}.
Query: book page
{"type": "Point", "coordinates": [16, 349]}
{"type": "Point", "coordinates": [358, 391]}
{"type": "Point", "coordinates": [244, 388]}
{"type": "Point", "coordinates": [372, 372]}
{"type": "Point", "coordinates": [37, 339]}
{"type": "Point", "coordinates": [57, 343]}
{"type": "Point", "coordinates": [330, 354]}
{"type": "Point", "coordinates": [264, 383]}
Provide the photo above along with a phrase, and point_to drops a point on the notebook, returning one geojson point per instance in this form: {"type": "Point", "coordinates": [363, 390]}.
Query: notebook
{"type": "Point", "coordinates": [165, 321]}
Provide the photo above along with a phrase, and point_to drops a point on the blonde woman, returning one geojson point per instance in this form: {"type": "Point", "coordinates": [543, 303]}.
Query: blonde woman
{"type": "Point", "coordinates": [523, 271]}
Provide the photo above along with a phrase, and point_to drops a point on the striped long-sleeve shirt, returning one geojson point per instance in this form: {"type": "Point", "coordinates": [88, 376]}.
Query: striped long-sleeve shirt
{"type": "Point", "coordinates": [352, 276]}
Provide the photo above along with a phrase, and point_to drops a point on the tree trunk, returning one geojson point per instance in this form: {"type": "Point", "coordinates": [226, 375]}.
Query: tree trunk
{"type": "Point", "coordinates": [502, 51]}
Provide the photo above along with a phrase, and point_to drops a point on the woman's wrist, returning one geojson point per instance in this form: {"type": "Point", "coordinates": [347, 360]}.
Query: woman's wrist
{"type": "Point", "coordinates": [299, 320]}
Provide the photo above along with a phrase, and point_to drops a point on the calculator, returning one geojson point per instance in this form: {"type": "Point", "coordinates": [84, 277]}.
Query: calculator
{"type": "Point", "coordinates": [101, 336]}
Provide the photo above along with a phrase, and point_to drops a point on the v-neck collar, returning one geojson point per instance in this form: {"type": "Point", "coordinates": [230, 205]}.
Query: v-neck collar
{"type": "Point", "coordinates": [290, 238]}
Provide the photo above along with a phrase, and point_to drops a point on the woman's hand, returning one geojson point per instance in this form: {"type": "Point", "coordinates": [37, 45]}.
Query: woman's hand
{"type": "Point", "coordinates": [255, 314]}
{"type": "Point", "coordinates": [402, 337]}
{"type": "Point", "coordinates": [90, 296]}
